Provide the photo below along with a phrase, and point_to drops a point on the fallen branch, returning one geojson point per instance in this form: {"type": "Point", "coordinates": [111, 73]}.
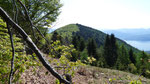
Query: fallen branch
{"type": "Point", "coordinates": [5, 16]}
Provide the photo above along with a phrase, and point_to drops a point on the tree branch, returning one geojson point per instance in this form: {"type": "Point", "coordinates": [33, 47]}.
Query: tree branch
{"type": "Point", "coordinates": [44, 16]}
{"type": "Point", "coordinates": [32, 25]}
{"type": "Point", "coordinates": [26, 13]}
{"type": "Point", "coordinates": [13, 54]}
{"type": "Point", "coordinates": [32, 46]}
{"type": "Point", "coordinates": [15, 13]}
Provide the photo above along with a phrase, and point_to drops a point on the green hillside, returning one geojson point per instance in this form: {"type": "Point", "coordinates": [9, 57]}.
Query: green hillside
{"type": "Point", "coordinates": [86, 33]}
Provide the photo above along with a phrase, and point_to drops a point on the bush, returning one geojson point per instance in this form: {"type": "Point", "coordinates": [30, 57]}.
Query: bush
{"type": "Point", "coordinates": [132, 68]}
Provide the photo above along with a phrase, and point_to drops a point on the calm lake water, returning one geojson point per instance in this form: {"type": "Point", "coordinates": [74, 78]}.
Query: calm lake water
{"type": "Point", "coordinates": [142, 45]}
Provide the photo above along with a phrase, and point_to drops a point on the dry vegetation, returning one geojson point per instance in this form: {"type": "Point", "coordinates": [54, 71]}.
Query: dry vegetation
{"type": "Point", "coordinates": [84, 75]}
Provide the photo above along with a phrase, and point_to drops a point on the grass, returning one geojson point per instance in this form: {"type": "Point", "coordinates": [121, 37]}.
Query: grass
{"type": "Point", "coordinates": [96, 75]}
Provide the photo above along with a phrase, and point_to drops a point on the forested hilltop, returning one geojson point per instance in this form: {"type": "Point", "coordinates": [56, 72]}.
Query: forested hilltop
{"type": "Point", "coordinates": [87, 32]}
{"type": "Point", "coordinates": [107, 50]}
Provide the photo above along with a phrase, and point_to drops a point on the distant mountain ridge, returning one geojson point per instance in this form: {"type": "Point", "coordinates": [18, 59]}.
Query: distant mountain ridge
{"type": "Point", "coordinates": [87, 32]}
{"type": "Point", "coordinates": [131, 34]}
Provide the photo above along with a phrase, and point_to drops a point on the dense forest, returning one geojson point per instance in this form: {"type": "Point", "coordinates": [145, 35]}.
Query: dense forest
{"type": "Point", "coordinates": [26, 44]}
{"type": "Point", "coordinates": [109, 51]}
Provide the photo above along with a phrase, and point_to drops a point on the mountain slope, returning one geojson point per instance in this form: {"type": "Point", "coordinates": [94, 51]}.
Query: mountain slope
{"type": "Point", "coordinates": [83, 75]}
{"type": "Point", "coordinates": [86, 33]}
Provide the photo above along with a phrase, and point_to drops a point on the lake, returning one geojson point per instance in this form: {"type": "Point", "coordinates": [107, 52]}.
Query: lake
{"type": "Point", "coordinates": [142, 45]}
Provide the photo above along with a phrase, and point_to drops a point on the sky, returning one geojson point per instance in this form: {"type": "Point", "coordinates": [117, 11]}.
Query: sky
{"type": "Point", "coordinates": [105, 14]}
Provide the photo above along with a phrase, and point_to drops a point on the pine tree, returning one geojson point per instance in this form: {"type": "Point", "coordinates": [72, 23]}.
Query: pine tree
{"type": "Point", "coordinates": [107, 49]}
{"type": "Point", "coordinates": [131, 56]}
{"type": "Point", "coordinates": [82, 45]}
{"type": "Point", "coordinates": [110, 50]}
{"type": "Point", "coordinates": [89, 48]}
{"type": "Point", "coordinates": [114, 51]}
{"type": "Point", "coordinates": [123, 59]}
{"type": "Point", "coordinates": [107, 41]}
{"type": "Point", "coordinates": [143, 63]}
{"type": "Point", "coordinates": [56, 36]}
{"type": "Point", "coordinates": [92, 46]}
{"type": "Point", "coordinates": [75, 42]}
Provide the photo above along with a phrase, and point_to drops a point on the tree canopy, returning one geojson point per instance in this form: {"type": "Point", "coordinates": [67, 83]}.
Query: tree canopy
{"type": "Point", "coordinates": [41, 13]}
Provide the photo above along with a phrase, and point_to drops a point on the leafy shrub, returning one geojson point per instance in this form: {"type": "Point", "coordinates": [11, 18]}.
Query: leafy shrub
{"type": "Point", "coordinates": [64, 59]}
{"type": "Point", "coordinates": [132, 68]}
{"type": "Point", "coordinates": [21, 62]}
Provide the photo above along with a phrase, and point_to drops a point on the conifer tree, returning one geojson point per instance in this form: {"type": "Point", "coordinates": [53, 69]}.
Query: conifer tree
{"type": "Point", "coordinates": [123, 59]}
{"type": "Point", "coordinates": [82, 45]}
{"type": "Point", "coordinates": [143, 64]}
{"type": "Point", "coordinates": [75, 42]}
{"type": "Point", "coordinates": [89, 48]}
{"type": "Point", "coordinates": [114, 54]}
{"type": "Point", "coordinates": [110, 50]}
{"type": "Point", "coordinates": [107, 49]}
{"type": "Point", "coordinates": [92, 47]}
{"type": "Point", "coordinates": [56, 36]}
{"type": "Point", "coordinates": [131, 56]}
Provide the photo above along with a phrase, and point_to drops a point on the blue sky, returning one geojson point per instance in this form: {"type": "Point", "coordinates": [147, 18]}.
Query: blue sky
{"type": "Point", "coordinates": [105, 14]}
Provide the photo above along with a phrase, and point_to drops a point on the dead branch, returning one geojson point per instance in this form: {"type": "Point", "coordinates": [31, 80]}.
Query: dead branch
{"type": "Point", "coordinates": [30, 43]}
{"type": "Point", "coordinates": [13, 54]}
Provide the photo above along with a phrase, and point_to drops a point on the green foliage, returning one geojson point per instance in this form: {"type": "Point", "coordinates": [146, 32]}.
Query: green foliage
{"type": "Point", "coordinates": [21, 62]}
{"type": "Point", "coordinates": [143, 63]}
{"type": "Point", "coordinates": [64, 59]}
{"type": "Point", "coordinates": [75, 42]}
{"type": "Point", "coordinates": [123, 59]}
{"type": "Point", "coordinates": [147, 73]}
{"type": "Point", "coordinates": [90, 60]}
{"type": "Point", "coordinates": [135, 82]}
{"type": "Point", "coordinates": [68, 31]}
{"type": "Point", "coordinates": [87, 33]}
{"type": "Point", "coordinates": [3, 29]}
{"type": "Point", "coordinates": [42, 14]}
{"type": "Point", "coordinates": [82, 45]}
{"type": "Point", "coordinates": [84, 55]}
{"type": "Point", "coordinates": [56, 36]}
{"type": "Point", "coordinates": [111, 80]}
{"type": "Point", "coordinates": [110, 50]}
{"type": "Point", "coordinates": [57, 81]}
{"type": "Point", "coordinates": [78, 42]}
{"type": "Point", "coordinates": [101, 60]}
{"type": "Point", "coordinates": [91, 47]}
{"type": "Point", "coordinates": [132, 56]}
{"type": "Point", "coordinates": [132, 68]}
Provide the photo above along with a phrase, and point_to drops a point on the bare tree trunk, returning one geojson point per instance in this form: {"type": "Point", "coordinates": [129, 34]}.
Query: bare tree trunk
{"type": "Point", "coordinates": [4, 15]}
{"type": "Point", "coordinates": [13, 54]}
